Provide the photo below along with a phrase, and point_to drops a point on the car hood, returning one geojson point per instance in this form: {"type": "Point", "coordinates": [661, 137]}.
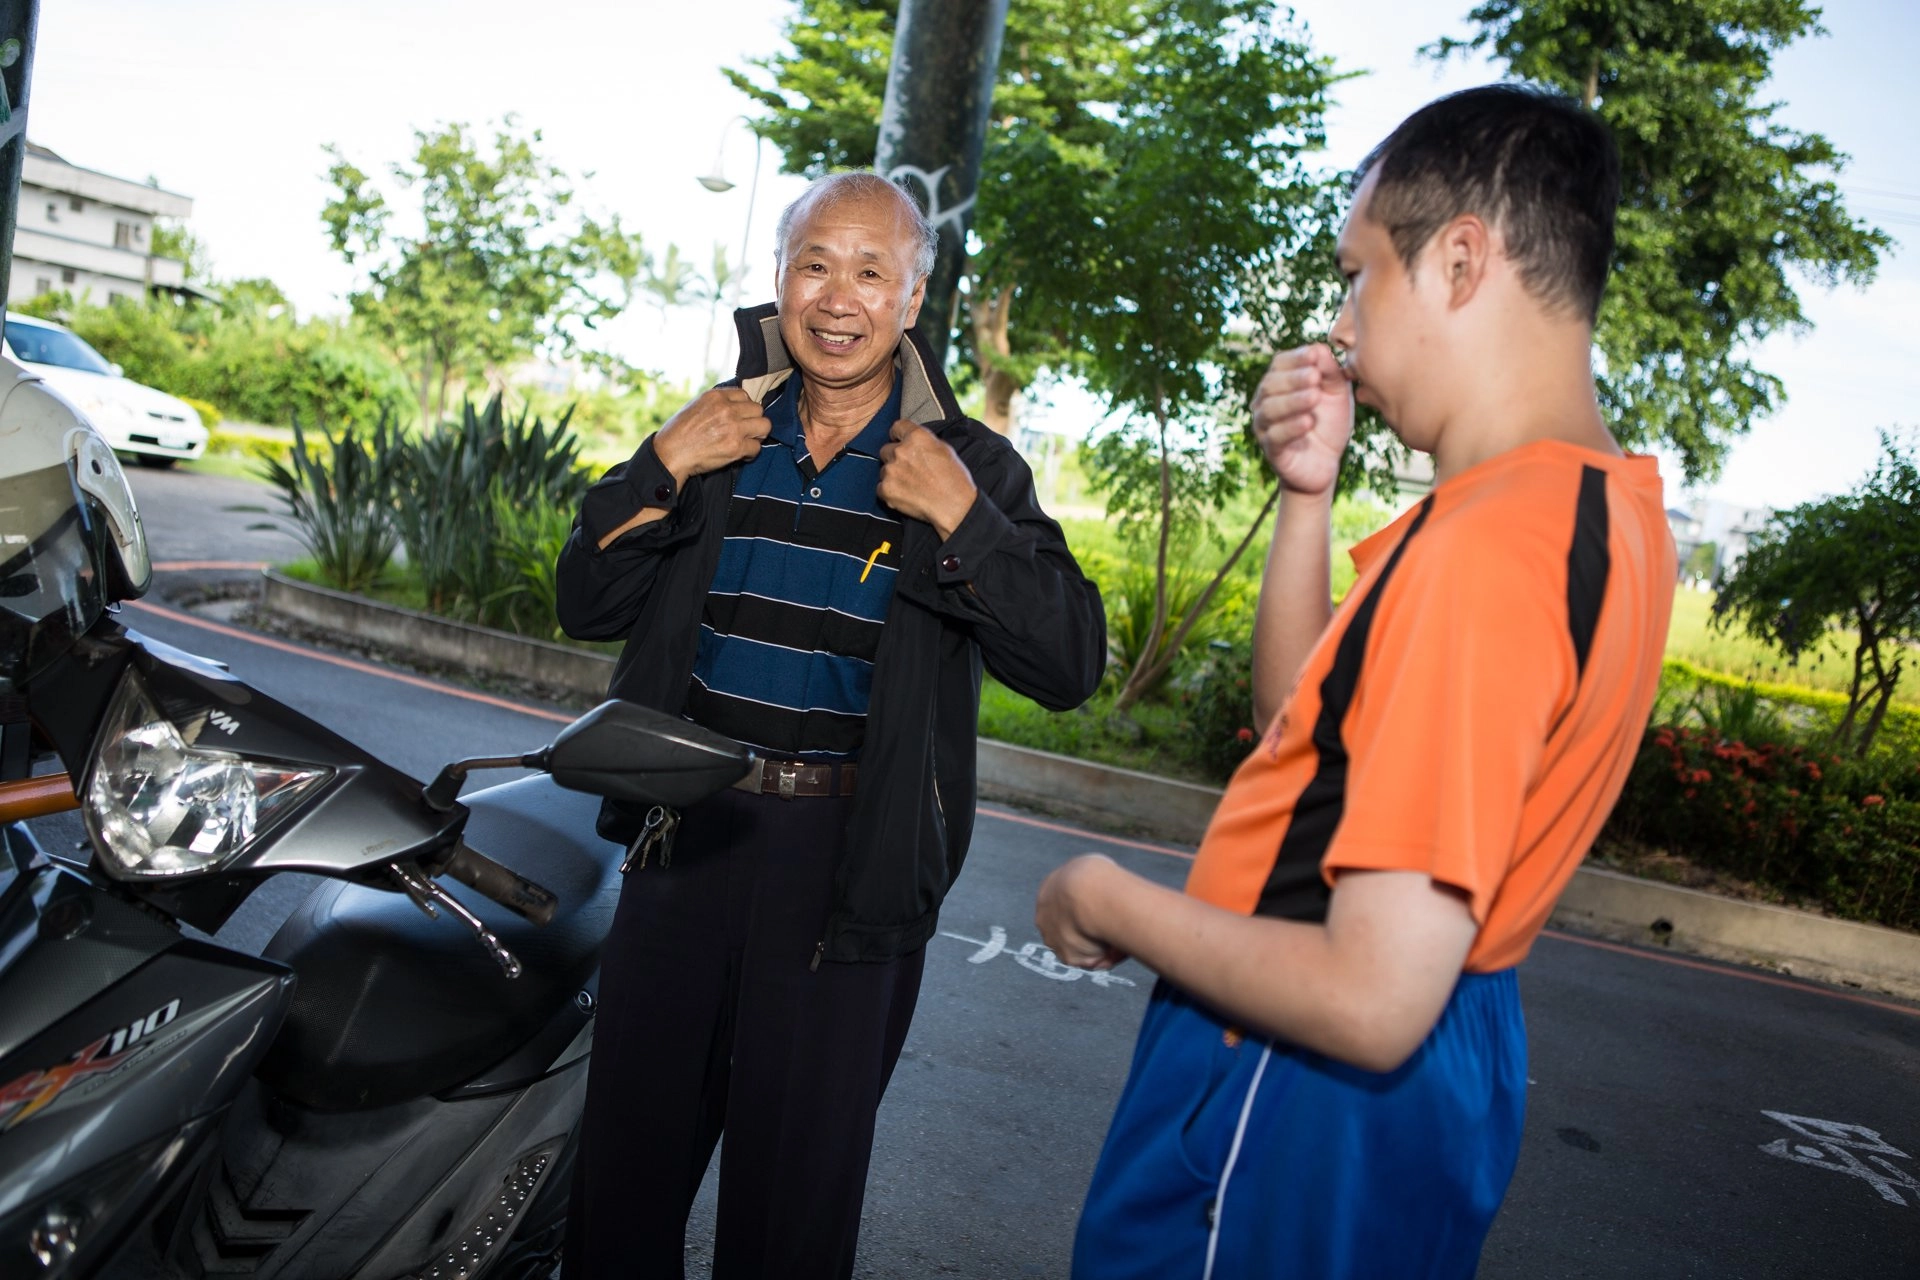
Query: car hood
{"type": "Point", "coordinates": [88, 389]}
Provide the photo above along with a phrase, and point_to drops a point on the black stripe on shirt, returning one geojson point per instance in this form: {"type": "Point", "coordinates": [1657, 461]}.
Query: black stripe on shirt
{"type": "Point", "coordinates": [854, 532]}
{"type": "Point", "coordinates": [1294, 888]}
{"type": "Point", "coordinates": [780, 621]}
{"type": "Point", "coordinates": [760, 724]}
{"type": "Point", "coordinates": [1589, 563]}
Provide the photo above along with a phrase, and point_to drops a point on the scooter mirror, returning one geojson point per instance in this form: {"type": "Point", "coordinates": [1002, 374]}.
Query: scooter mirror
{"type": "Point", "coordinates": [637, 755]}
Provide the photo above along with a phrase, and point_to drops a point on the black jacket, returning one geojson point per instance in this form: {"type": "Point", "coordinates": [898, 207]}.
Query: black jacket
{"type": "Point", "coordinates": [1004, 588]}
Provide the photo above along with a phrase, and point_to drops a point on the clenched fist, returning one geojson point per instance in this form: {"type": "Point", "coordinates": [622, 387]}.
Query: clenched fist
{"type": "Point", "coordinates": [921, 476]}
{"type": "Point", "coordinates": [718, 428]}
{"type": "Point", "coordinates": [1303, 418]}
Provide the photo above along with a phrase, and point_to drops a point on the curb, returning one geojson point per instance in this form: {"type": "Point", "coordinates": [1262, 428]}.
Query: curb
{"type": "Point", "coordinates": [1604, 903]}
{"type": "Point", "coordinates": [1799, 943]}
{"type": "Point", "coordinates": [475, 648]}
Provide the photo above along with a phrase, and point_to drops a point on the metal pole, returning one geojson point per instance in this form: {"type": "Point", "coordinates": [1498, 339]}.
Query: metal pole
{"type": "Point", "coordinates": [946, 54]}
{"type": "Point", "coordinates": [746, 232]}
{"type": "Point", "coordinates": [18, 21]}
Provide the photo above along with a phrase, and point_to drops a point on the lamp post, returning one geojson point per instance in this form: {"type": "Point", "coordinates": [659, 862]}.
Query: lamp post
{"type": "Point", "coordinates": [718, 183]}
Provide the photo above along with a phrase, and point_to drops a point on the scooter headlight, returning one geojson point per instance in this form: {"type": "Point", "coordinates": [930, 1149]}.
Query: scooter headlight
{"type": "Point", "coordinates": [159, 804]}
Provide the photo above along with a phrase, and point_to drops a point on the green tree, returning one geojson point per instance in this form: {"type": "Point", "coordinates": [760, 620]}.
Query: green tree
{"type": "Point", "coordinates": [713, 290]}
{"type": "Point", "coordinates": [1721, 204]}
{"type": "Point", "coordinates": [673, 283]}
{"type": "Point", "coordinates": [500, 264]}
{"type": "Point", "coordinates": [174, 239]}
{"type": "Point", "coordinates": [1144, 222]}
{"type": "Point", "coordinates": [1850, 562]}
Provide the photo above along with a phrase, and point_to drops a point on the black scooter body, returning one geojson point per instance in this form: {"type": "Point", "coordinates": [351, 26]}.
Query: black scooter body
{"type": "Point", "coordinates": [371, 1097]}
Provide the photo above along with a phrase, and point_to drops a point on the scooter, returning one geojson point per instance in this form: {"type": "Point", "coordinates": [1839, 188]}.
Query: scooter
{"type": "Point", "coordinates": [393, 1087]}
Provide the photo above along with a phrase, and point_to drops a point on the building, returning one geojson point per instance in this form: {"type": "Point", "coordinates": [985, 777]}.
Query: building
{"type": "Point", "coordinates": [90, 235]}
{"type": "Point", "coordinates": [1721, 526]}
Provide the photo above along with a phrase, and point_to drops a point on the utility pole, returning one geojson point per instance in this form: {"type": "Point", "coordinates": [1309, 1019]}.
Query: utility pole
{"type": "Point", "coordinates": [18, 19]}
{"type": "Point", "coordinates": [946, 54]}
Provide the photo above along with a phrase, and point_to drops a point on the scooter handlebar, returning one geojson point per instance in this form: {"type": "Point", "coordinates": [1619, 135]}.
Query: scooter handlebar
{"type": "Point", "coordinates": [508, 888]}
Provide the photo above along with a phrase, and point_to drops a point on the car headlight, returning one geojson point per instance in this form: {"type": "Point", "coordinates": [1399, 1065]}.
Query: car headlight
{"type": "Point", "coordinates": [158, 806]}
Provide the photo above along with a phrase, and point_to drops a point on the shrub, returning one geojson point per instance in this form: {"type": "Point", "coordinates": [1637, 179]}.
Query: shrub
{"type": "Point", "coordinates": [1867, 853]}
{"type": "Point", "coordinates": [209, 415]}
{"type": "Point", "coordinates": [1746, 809]}
{"type": "Point", "coordinates": [1799, 820]}
{"type": "Point", "coordinates": [449, 482]}
{"type": "Point", "coordinates": [527, 540]}
{"type": "Point", "coordinates": [1126, 587]}
{"type": "Point", "coordinates": [338, 497]}
{"type": "Point", "coordinates": [1219, 711]}
{"type": "Point", "coordinates": [252, 366]}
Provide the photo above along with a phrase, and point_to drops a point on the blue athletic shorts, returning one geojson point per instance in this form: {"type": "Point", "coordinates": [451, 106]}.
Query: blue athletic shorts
{"type": "Point", "coordinates": [1233, 1157]}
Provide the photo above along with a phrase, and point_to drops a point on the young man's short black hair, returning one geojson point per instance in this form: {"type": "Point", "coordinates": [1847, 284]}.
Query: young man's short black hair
{"type": "Point", "coordinates": [1536, 165]}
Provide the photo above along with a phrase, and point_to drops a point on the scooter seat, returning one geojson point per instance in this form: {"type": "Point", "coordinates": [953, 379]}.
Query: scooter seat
{"type": "Point", "coordinates": [393, 1006]}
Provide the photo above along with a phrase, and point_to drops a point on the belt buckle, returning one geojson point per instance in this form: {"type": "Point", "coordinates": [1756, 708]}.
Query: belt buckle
{"type": "Point", "coordinates": [788, 774]}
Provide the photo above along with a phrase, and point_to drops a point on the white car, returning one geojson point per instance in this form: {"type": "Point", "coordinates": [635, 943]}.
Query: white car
{"type": "Point", "coordinates": [155, 427]}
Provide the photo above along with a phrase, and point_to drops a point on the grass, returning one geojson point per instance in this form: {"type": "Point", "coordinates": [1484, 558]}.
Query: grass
{"type": "Point", "coordinates": [1148, 743]}
{"type": "Point", "coordinates": [1829, 668]}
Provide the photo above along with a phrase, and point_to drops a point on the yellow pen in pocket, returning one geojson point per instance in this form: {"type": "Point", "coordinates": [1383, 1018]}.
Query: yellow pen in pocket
{"type": "Point", "coordinates": [878, 551]}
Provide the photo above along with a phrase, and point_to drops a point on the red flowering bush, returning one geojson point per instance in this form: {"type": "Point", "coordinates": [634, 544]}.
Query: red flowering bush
{"type": "Point", "coordinates": [1807, 823]}
{"type": "Point", "coordinates": [1868, 857]}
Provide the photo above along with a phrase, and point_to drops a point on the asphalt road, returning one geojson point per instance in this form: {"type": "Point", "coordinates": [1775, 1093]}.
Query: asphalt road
{"type": "Point", "coordinates": [1686, 1119]}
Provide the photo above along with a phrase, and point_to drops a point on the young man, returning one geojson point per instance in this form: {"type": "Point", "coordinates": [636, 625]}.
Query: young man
{"type": "Point", "coordinates": [1332, 1074]}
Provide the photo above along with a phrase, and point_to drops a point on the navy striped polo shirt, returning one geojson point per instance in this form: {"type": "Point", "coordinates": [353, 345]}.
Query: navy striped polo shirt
{"type": "Point", "coordinates": [806, 573]}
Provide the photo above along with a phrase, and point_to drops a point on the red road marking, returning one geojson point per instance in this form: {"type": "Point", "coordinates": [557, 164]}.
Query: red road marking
{"type": "Point", "coordinates": [365, 668]}
{"type": "Point", "coordinates": [186, 566]}
{"type": "Point", "coordinates": [1726, 972]}
{"type": "Point", "coordinates": [1076, 831]}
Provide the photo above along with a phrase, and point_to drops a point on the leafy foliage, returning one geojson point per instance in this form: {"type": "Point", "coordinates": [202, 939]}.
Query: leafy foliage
{"type": "Point", "coordinates": [1792, 819]}
{"type": "Point", "coordinates": [448, 487]}
{"type": "Point", "coordinates": [1721, 205]}
{"type": "Point", "coordinates": [1219, 710]}
{"type": "Point", "coordinates": [498, 266]}
{"type": "Point", "coordinates": [1852, 561]}
{"type": "Point", "coordinates": [254, 363]}
{"type": "Point", "coordinates": [337, 494]}
{"type": "Point", "coordinates": [528, 537]}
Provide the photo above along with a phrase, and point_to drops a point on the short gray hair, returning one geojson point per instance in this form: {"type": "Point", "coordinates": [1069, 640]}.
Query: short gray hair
{"type": "Point", "coordinates": [859, 184]}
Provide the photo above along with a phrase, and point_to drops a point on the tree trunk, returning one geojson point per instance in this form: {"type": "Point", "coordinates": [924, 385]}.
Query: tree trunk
{"type": "Point", "coordinates": [989, 314]}
{"type": "Point", "coordinates": [426, 391]}
{"type": "Point", "coordinates": [1148, 659]}
{"type": "Point", "coordinates": [1879, 713]}
{"type": "Point", "coordinates": [1144, 676]}
{"type": "Point", "coordinates": [1856, 690]}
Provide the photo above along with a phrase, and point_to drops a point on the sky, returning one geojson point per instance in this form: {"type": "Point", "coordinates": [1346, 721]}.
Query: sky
{"type": "Point", "coordinates": [231, 102]}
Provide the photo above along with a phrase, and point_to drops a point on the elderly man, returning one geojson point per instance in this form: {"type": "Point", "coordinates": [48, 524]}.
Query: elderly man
{"type": "Point", "coordinates": [814, 558]}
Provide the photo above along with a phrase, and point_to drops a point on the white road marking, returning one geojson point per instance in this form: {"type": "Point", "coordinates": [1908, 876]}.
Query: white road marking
{"type": "Point", "coordinates": [1035, 957]}
{"type": "Point", "coordinates": [1829, 1144]}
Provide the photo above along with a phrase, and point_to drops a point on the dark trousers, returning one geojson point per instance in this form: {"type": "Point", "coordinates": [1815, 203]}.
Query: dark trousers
{"type": "Point", "coordinates": [712, 1017]}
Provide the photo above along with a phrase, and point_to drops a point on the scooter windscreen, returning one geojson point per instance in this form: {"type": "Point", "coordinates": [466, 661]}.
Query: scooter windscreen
{"type": "Point", "coordinates": [70, 535]}
{"type": "Point", "coordinates": [51, 587]}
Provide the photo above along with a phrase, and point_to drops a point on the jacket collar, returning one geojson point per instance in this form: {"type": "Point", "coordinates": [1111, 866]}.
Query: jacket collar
{"type": "Point", "coordinates": [925, 397]}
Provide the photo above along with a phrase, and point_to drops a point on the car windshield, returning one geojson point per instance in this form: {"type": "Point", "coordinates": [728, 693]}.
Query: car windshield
{"type": "Point", "coordinates": [36, 345]}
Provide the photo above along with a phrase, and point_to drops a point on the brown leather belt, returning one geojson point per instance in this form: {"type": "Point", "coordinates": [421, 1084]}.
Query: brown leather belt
{"type": "Point", "coordinates": [789, 779]}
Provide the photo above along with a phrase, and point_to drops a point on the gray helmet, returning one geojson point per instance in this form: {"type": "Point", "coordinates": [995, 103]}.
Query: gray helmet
{"type": "Point", "coordinates": [70, 535]}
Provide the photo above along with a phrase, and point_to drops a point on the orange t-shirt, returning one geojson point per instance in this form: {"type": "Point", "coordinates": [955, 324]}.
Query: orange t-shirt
{"type": "Point", "coordinates": [1475, 705]}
